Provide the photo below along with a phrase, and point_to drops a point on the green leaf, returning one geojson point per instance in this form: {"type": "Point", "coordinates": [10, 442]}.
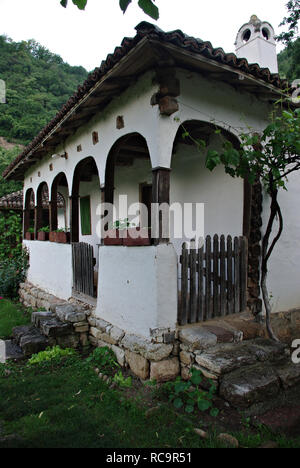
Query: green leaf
{"type": "Point", "coordinates": [124, 4]}
{"type": "Point", "coordinates": [214, 412]}
{"type": "Point", "coordinates": [189, 408]}
{"type": "Point", "coordinates": [204, 405]}
{"type": "Point", "coordinates": [149, 8]}
{"type": "Point", "coordinates": [81, 4]}
{"type": "Point", "coordinates": [178, 403]}
{"type": "Point", "coordinates": [196, 379]}
{"type": "Point", "coordinates": [64, 3]}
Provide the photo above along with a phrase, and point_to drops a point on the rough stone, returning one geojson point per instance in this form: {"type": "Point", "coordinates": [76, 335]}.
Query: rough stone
{"type": "Point", "coordinates": [138, 365]}
{"type": "Point", "coordinates": [107, 338]}
{"type": "Point", "coordinates": [95, 333]}
{"type": "Point", "coordinates": [70, 313]}
{"type": "Point", "coordinates": [197, 338]}
{"type": "Point", "coordinates": [33, 342]}
{"type": "Point", "coordinates": [186, 358]}
{"type": "Point", "coordinates": [228, 440]}
{"type": "Point", "coordinates": [223, 334]}
{"type": "Point", "coordinates": [68, 341]}
{"type": "Point", "coordinates": [92, 321]}
{"type": "Point", "coordinates": [101, 325]}
{"type": "Point", "coordinates": [116, 334]}
{"type": "Point", "coordinates": [38, 317]}
{"type": "Point", "coordinates": [250, 385]}
{"type": "Point", "coordinates": [13, 352]}
{"type": "Point", "coordinates": [55, 328]}
{"type": "Point", "coordinates": [288, 373]}
{"type": "Point", "coordinates": [165, 370]}
{"type": "Point", "coordinates": [81, 328]}
{"type": "Point", "coordinates": [20, 331]}
{"type": "Point", "coordinates": [185, 373]}
{"type": "Point", "coordinates": [151, 351]}
{"type": "Point", "coordinates": [225, 358]}
{"type": "Point", "coordinates": [84, 341]}
{"type": "Point", "coordinates": [120, 355]}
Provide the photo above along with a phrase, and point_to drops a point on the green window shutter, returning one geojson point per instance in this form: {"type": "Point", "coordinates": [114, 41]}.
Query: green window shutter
{"type": "Point", "coordinates": [85, 216]}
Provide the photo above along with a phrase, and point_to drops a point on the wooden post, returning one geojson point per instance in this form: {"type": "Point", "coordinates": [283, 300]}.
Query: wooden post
{"type": "Point", "coordinates": [160, 204]}
{"type": "Point", "coordinates": [38, 218]}
{"type": "Point", "coordinates": [26, 221]}
{"type": "Point", "coordinates": [74, 218]}
{"type": "Point", "coordinates": [53, 213]}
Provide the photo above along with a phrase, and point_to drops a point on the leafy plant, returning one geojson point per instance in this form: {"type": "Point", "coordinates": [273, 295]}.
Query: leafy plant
{"type": "Point", "coordinates": [189, 395]}
{"type": "Point", "coordinates": [51, 354]}
{"type": "Point", "coordinates": [147, 6]}
{"type": "Point", "coordinates": [120, 380]}
{"type": "Point", "coordinates": [12, 273]}
{"type": "Point", "coordinates": [103, 358]}
{"type": "Point", "coordinates": [31, 230]}
{"type": "Point", "coordinates": [121, 224]}
{"type": "Point", "coordinates": [44, 229]}
{"type": "Point", "coordinates": [10, 235]}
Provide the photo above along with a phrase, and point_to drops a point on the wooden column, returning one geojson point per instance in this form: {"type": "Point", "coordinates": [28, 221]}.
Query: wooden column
{"type": "Point", "coordinates": [74, 218]}
{"type": "Point", "coordinates": [160, 196]}
{"type": "Point", "coordinates": [38, 219]}
{"type": "Point", "coordinates": [26, 221]}
{"type": "Point", "coordinates": [53, 214]}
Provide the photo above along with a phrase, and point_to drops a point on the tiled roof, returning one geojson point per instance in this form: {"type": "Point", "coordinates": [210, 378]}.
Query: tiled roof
{"type": "Point", "coordinates": [150, 31]}
{"type": "Point", "coordinates": [14, 201]}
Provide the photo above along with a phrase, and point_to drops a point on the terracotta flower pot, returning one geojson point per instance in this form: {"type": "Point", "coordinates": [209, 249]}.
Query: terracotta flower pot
{"type": "Point", "coordinates": [29, 236]}
{"type": "Point", "coordinates": [113, 237]}
{"type": "Point", "coordinates": [43, 236]}
{"type": "Point", "coordinates": [63, 237]}
{"type": "Point", "coordinates": [137, 237]}
{"type": "Point", "coordinates": [52, 236]}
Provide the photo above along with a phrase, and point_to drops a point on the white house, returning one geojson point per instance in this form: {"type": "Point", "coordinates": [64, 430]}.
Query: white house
{"type": "Point", "coordinates": [122, 133]}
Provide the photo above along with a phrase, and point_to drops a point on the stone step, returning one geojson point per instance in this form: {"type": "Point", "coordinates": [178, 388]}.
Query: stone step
{"type": "Point", "coordinates": [12, 352]}
{"type": "Point", "coordinates": [53, 328]}
{"type": "Point", "coordinates": [259, 382]}
{"type": "Point", "coordinates": [224, 358]}
{"type": "Point", "coordinates": [38, 317]}
{"type": "Point", "coordinates": [30, 340]}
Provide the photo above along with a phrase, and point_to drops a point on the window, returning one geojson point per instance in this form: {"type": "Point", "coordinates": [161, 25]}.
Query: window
{"type": "Point", "coordinates": [85, 216]}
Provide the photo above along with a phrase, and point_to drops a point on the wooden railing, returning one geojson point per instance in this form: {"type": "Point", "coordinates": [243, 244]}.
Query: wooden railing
{"type": "Point", "coordinates": [83, 268]}
{"type": "Point", "coordinates": [213, 279]}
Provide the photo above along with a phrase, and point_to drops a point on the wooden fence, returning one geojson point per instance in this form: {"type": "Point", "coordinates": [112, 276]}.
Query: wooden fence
{"type": "Point", "coordinates": [83, 268]}
{"type": "Point", "coordinates": [213, 279]}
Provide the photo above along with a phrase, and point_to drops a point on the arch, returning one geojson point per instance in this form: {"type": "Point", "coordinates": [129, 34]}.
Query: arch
{"type": "Point", "coordinates": [85, 170]}
{"type": "Point", "coordinates": [29, 205]}
{"type": "Point", "coordinates": [42, 218]}
{"type": "Point", "coordinates": [59, 201]}
{"type": "Point", "coordinates": [129, 171]}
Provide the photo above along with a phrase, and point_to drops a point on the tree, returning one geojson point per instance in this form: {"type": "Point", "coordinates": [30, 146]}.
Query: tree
{"type": "Point", "coordinates": [147, 6]}
{"type": "Point", "coordinates": [270, 158]}
{"type": "Point", "coordinates": [292, 20]}
{"type": "Point", "coordinates": [289, 61]}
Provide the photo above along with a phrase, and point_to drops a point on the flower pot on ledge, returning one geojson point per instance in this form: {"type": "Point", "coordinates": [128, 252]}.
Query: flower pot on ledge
{"type": "Point", "coordinates": [29, 236]}
{"type": "Point", "coordinates": [63, 237]}
{"type": "Point", "coordinates": [112, 237]}
{"type": "Point", "coordinates": [137, 237]}
{"type": "Point", "coordinates": [43, 236]}
{"type": "Point", "coordinates": [52, 236]}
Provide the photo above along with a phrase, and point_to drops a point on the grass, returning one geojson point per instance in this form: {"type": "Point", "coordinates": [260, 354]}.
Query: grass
{"type": "Point", "coordinates": [63, 404]}
{"type": "Point", "coordinates": [11, 315]}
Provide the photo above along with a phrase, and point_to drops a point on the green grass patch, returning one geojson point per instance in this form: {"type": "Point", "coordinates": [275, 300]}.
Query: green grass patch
{"type": "Point", "coordinates": [11, 315]}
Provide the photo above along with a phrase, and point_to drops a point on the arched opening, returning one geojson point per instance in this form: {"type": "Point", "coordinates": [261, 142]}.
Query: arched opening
{"type": "Point", "coordinates": [246, 35]}
{"type": "Point", "coordinates": [59, 204]}
{"type": "Point", "coordinates": [210, 202]}
{"type": "Point", "coordinates": [42, 218]}
{"type": "Point", "coordinates": [128, 181]}
{"type": "Point", "coordinates": [266, 33]}
{"type": "Point", "coordinates": [28, 223]}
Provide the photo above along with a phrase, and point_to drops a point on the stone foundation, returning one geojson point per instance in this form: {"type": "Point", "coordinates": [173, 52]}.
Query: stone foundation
{"type": "Point", "coordinates": [209, 347]}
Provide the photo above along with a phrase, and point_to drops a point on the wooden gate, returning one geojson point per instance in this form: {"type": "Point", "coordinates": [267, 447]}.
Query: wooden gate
{"type": "Point", "coordinates": [213, 279]}
{"type": "Point", "coordinates": [83, 269]}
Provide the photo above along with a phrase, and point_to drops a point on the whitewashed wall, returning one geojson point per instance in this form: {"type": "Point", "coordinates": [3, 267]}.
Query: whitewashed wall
{"type": "Point", "coordinates": [284, 265]}
{"type": "Point", "coordinates": [51, 267]}
{"type": "Point", "coordinates": [138, 288]}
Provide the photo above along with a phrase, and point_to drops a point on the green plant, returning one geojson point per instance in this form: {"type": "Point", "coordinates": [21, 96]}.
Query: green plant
{"type": "Point", "coordinates": [121, 224]}
{"type": "Point", "coordinates": [10, 235]}
{"type": "Point", "coordinates": [44, 229]}
{"type": "Point", "coordinates": [103, 358]}
{"type": "Point", "coordinates": [148, 6]}
{"type": "Point", "coordinates": [190, 395]}
{"type": "Point", "coordinates": [51, 354]}
{"type": "Point", "coordinates": [31, 230]}
{"type": "Point", "coordinates": [12, 273]}
{"type": "Point", "coordinates": [120, 380]}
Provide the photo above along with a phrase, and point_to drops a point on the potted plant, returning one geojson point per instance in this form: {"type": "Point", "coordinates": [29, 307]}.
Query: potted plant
{"type": "Point", "coordinates": [114, 236]}
{"type": "Point", "coordinates": [63, 236]}
{"type": "Point", "coordinates": [137, 237]}
{"type": "Point", "coordinates": [43, 233]}
{"type": "Point", "coordinates": [29, 235]}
